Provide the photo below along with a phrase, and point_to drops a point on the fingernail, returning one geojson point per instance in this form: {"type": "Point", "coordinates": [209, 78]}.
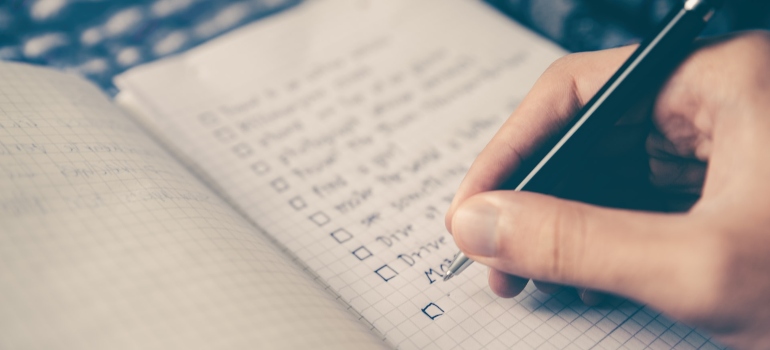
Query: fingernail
{"type": "Point", "coordinates": [474, 224]}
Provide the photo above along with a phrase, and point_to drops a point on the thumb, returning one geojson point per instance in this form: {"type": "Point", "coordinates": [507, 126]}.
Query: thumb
{"type": "Point", "coordinates": [646, 256]}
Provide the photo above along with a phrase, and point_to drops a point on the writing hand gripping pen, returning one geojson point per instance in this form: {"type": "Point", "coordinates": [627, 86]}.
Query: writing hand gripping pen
{"type": "Point", "coordinates": [644, 71]}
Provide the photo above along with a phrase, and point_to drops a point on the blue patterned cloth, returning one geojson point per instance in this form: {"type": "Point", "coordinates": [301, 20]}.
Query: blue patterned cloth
{"type": "Point", "coordinates": [101, 38]}
{"type": "Point", "coordinates": [583, 25]}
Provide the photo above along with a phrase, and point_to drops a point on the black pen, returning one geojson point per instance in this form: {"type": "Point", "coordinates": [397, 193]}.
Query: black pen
{"type": "Point", "coordinates": [646, 69]}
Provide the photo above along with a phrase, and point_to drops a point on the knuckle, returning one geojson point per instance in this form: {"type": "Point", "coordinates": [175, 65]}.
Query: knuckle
{"type": "Point", "coordinates": [514, 232]}
{"type": "Point", "coordinates": [564, 233]}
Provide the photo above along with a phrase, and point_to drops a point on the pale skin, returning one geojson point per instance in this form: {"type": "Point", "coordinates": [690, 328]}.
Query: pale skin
{"type": "Point", "coordinates": [705, 262]}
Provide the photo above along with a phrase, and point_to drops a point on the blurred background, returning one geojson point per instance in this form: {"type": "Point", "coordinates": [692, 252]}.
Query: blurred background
{"type": "Point", "coordinates": [101, 38]}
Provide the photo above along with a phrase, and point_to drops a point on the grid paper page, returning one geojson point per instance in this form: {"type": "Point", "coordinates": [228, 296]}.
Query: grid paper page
{"type": "Point", "coordinates": [106, 242]}
{"type": "Point", "coordinates": [347, 151]}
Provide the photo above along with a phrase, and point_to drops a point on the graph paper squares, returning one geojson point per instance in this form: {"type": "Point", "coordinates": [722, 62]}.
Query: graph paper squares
{"type": "Point", "coordinates": [386, 273]}
{"type": "Point", "coordinates": [362, 253]}
{"type": "Point", "coordinates": [341, 235]}
{"type": "Point", "coordinates": [297, 203]}
{"type": "Point", "coordinates": [279, 185]}
{"type": "Point", "coordinates": [260, 167]}
{"type": "Point", "coordinates": [243, 150]}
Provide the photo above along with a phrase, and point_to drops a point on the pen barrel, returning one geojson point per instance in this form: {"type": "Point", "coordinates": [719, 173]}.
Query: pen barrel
{"type": "Point", "coordinates": [644, 71]}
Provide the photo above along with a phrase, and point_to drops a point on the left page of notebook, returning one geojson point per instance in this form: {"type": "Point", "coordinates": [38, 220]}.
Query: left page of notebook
{"type": "Point", "coordinates": [107, 242]}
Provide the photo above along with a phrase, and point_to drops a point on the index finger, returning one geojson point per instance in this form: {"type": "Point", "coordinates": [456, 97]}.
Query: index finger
{"type": "Point", "coordinates": [554, 99]}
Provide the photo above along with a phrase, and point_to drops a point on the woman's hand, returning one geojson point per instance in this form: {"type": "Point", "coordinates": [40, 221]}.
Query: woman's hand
{"type": "Point", "coordinates": [710, 142]}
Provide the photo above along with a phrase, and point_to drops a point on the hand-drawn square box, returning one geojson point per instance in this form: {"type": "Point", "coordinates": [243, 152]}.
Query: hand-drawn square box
{"type": "Point", "coordinates": [279, 184]}
{"type": "Point", "coordinates": [297, 203]}
{"type": "Point", "coordinates": [208, 118]}
{"type": "Point", "coordinates": [341, 235]}
{"type": "Point", "coordinates": [243, 150]}
{"type": "Point", "coordinates": [260, 167]}
{"type": "Point", "coordinates": [362, 253]}
{"type": "Point", "coordinates": [319, 218]}
{"type": "Point", "coordinates": [432, 310]}
{"type": "Point", "coordinates": [386, 273]}
{"type": "Point", "coordinates": [225, 134]}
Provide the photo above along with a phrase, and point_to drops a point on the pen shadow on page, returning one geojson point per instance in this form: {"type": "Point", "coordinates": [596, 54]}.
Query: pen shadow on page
{"type": "Point", "coordinates": [566, 305]}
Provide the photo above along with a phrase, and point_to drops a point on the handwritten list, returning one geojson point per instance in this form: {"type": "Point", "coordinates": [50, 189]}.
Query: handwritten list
{"type": "Point", "coordinates": [349, 154]}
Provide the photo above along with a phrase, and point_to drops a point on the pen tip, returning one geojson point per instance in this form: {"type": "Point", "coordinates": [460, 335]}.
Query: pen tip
{"type": "Point", "coordinates": [448, 276]}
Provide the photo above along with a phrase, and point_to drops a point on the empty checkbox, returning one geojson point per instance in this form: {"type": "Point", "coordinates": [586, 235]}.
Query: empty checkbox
{"type": "Point", "coordinates": [386, 273]}
{"type": "Point", "coordinates": [208, 118]}
{"type": "Point", "coordinates": [341, 235]}
{"type": "Point", "coordinates": [279, 185]}
{"type": "Point", "coordinates": [362, 253]}
{"type": "Point", "coordinates": [260, 168]}
{"type": "Point", "coordinates": [432, 311]}
{"type": "Point", "coordinates": [224, 134]}
{"type": "Point", "coordinates": [243, 150]}
{"type": "Point", "coordinates": [297, 203]}
{"type": "Point", "coordinates": [319, 218]}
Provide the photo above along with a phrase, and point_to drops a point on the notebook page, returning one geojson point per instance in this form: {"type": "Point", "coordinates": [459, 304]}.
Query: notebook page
{"type": "Point", "coordinates": [343, 128]}
{"type": "Point", "coordinates": [107, 242]}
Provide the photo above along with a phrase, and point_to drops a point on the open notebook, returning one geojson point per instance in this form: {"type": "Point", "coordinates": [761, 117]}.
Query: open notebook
{"type": "Point", "coordinates": [280, 187]}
